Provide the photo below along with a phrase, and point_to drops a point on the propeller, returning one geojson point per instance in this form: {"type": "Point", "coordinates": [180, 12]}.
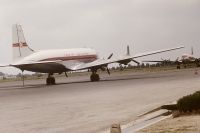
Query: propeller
{"type": "Point", "coordinates": [166, 61]}
{"type": "Point", "coordinates": [66, 74]}
{"type": "Point", "coordinates": [110, 55]}
{"type": "Point", "coordinates": [107, 69]}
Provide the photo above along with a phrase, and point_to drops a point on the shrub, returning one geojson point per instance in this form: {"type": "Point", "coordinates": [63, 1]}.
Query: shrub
{"type": "Point", "coordinates": [189, 102]}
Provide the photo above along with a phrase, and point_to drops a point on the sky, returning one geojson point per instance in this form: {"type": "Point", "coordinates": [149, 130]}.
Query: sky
{"type": "Point", "coordinates": [105, 25]}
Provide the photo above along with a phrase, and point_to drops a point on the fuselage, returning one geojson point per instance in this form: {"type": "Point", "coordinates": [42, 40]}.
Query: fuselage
{"type": "Point", "coordinates": [69, 57]}
{"type": "Point", "coordinates": [187, 57]}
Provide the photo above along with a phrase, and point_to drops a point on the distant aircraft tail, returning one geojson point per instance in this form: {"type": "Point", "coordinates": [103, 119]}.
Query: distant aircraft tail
{"type": "Point", "coordinates": [128, 50]}
{"type": "Point", "coordinates": [20, 47]}
{"type": "Point", "coordinates": [192, 52]}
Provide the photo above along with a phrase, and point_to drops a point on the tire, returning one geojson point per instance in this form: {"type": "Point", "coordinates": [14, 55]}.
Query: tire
{"type": "Point", "coordinates": [53, 81]}
{"type": "Point", "coordinates": [94, 77]}
{"type": "Point", "coordinates": [50, 81]}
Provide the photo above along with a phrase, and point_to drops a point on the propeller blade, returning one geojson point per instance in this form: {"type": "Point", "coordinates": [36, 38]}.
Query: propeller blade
{"type": "Point", "coordinates": [136, 61]}
{"type": "Point", "coordinates": [108, 71]}
{"type": "Point", "coordinates": [110, 56]}
{"type": "Point", "coordinates": [67, 75]}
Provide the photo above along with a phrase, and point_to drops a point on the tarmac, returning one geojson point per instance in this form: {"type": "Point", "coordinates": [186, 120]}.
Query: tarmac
{"type": "Point", "coordinates": [76, 105]}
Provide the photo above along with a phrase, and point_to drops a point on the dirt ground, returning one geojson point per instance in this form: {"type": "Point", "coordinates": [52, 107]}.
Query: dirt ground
{"type": "Point", "coordinates": [183, 124]}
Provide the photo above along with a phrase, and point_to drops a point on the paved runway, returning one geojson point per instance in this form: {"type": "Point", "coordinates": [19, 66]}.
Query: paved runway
{"type": "Point", "coordinates": [76, 105]}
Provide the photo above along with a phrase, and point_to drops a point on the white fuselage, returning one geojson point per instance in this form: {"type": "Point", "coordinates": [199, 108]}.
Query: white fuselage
{"type": "Point", "coordinates": [69, 57]}
{"type": "Point", "coordinates": [187, 57]}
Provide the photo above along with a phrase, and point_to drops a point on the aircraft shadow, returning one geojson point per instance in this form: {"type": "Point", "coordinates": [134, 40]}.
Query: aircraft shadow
{"type": "Point", "coordinates": [39, 86]}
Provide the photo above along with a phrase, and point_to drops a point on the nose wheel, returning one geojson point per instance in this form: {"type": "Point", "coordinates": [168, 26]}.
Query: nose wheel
{"type": "Point", "coordinates": [50, 80]}
{"type": "Point", "coordinates": [94, 77]}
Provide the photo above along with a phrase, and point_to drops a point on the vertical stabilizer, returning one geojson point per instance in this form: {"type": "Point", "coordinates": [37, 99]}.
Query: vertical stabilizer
{"type": "Point", "coordinates": [19, 45]}
{"type": "Point", "coordinates": [192, 52]}
{"type": "Point", "coordinates": [128, 50]}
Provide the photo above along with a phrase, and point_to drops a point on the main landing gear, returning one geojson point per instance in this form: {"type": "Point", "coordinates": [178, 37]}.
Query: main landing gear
{"type": "Point", "coordinates": [50, 80]}
{"type": "Point", "coordinates": [94, 77]}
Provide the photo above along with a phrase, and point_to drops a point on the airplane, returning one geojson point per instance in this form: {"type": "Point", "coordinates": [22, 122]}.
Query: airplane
{"type": "Point", "coordinates": [64, 60]}
{"type": "Point", "coordinates": [184, 59]}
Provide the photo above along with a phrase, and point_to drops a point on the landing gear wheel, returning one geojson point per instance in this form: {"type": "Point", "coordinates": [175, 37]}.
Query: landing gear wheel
{"type": "Point", "coordinates": [178, 67]}
{"type": "Point", "coordinates": [50, 81]}
{"type": "Point", "coordinates": [94, 77]}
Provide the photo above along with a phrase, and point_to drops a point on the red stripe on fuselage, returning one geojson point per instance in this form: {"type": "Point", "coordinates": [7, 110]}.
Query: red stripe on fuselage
{"type": "Point", "coordinates": [66, 58]}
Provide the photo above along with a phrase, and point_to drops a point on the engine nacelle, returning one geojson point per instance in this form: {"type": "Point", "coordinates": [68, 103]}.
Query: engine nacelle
{"type": "Point", "coordinates": [125, 62]}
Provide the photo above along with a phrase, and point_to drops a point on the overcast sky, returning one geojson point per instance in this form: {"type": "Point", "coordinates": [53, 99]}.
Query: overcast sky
{"type": "Point", "coordinates": [105, 25]}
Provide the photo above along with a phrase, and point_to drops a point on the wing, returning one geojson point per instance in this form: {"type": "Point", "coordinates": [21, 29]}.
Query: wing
{"type": "Point", "coordinates": [35, 63]}
{"type": "Point", "coordinates": [54, 66]}
{"type": "Point", "coordinates": [30, 63]}
{"type": "Point", "coordinates": [104, 62]}
{"type": "Point", "coordinates": [153, 61]}
{"type": "Point", "coordinates": [4, 65]}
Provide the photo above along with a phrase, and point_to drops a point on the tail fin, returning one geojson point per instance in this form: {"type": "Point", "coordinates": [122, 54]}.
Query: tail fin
{"type": "Point", "coordinates": [20, 47]}
{"type": "Point", "coordinates": [128, 50]}
{"type": "Point", "coordinates": [192, 52]}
